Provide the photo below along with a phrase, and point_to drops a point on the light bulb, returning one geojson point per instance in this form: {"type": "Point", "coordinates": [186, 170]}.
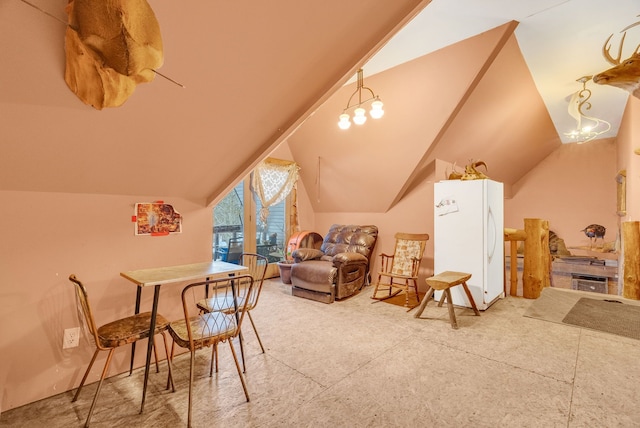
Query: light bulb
{"type": "Point", "coordinates": [376, 109]}
{"type": "Point", "coordinates": [358, 116]}
{"type": "Point", "coordinates": [344, 122]}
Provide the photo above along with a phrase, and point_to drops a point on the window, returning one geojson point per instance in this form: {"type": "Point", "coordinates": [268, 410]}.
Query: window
{"type": "Point", "coordinates": [241, 224]}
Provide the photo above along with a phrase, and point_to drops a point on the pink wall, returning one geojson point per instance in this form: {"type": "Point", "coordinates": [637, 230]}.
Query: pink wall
{"type": "Point", "coordinates": [572, 188]}
{"type": "Point", "coordinates": [48, 236]}
{"type": "Point", "coordinates": [413, 214]}
{"type": "Point", "coordinates": [628, 141]}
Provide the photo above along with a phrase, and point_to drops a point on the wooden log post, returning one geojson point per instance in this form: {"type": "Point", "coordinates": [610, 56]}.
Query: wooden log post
{"type": "Point", "coordinates": [631, 269]}
{"type": "Point", "coordinates": [514, 235]}
{"type": "Point", "coordinates": [537, 258]}
{"type": "Point", "coordinates": [513, 291]}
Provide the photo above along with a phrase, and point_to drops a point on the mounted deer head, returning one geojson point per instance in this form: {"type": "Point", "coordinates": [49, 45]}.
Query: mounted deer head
{"type": "Point", "coordinates": [625, 74]}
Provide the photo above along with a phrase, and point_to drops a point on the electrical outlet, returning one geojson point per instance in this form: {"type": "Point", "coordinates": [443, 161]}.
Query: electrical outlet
{"type": "Point", "coordinates": [71, 338]}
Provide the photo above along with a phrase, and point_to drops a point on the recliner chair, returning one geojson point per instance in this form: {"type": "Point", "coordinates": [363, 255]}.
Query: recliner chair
{"type": "Point", "coordinates": [339, 269]}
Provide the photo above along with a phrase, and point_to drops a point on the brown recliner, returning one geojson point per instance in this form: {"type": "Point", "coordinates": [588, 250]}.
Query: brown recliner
{"type": "Point", "coordinates": [339, 269]}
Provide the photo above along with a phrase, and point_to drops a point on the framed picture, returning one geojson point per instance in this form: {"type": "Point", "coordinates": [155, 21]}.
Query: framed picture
{"type": "Point", "coordinates": [157, 219]}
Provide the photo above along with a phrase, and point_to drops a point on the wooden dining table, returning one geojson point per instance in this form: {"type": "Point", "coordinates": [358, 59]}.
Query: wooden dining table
{"type": "Point", "coordinates": [159, 276]}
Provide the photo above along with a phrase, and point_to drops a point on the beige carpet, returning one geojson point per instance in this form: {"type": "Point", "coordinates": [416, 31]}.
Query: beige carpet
{"type": "Point", "coordinates": [607, 313]}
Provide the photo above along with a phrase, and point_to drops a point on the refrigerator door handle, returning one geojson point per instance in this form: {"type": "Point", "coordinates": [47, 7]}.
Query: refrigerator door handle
{"type": "Point", "coordinates": [492, 235]}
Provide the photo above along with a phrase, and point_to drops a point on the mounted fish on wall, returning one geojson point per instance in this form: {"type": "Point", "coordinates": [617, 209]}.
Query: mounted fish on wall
{"type": "Point", "coordinates": [111, 46]}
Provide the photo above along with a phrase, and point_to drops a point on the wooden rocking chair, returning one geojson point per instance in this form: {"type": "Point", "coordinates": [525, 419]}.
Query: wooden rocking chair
{"type": "Point", "coordinates": [400, 270]}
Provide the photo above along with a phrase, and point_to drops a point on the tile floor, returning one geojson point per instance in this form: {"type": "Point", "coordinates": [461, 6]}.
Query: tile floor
{"type": "Point", "coordinates": [356, 363]}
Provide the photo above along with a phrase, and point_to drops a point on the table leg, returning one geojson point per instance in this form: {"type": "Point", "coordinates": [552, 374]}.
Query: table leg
{"type": "Point", "coordinates": [152, 328]}
{"type": "Point", "coordinates": [137, 311]}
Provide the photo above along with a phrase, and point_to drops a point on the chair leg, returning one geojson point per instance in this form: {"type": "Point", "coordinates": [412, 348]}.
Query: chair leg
{"type": "Point", "coordinates": [255, 330]}
{"type": "Point", "coordinates": [470, 297]}
{"type": "Point", "coordinates": [442, 297]}
{"type": "Point", "coordinates": [155, 354]}
{"type": "Point", "coordinates": [104, 374]}
{"type": "Point", "coordinates": [375, 290]}
{"type": "Point", "coordinates": [193, 359]}
{"type": "Point", "coordinates": [424, 303]}
{"type": "Point", "coordinates": [452, 314]}
{"type": "Point", "coordinates": [241, 340]}
{"type": "Point", "coordinates": [84, 378]}
{"type": "Point", "coordinates": [406, 293]}
{"type": "Point", "coordinates": [166, 350]}
{"type": "Point", "coordinates": [235, 359]}
{"type": "Point", "coordinates": [170, 358]}
{"type": "Point", "coordinates": [415, 286]}
{"type": "Point", "coordinates": [391, 292]}
{"type": "Point", "coordinates": [380, 284]}
{"type": "Point", "coordinates": [214, 358]}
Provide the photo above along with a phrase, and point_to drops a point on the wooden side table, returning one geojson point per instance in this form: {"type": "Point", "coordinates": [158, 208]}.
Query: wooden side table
{"type": "Point", "coordinates": [444, 281]}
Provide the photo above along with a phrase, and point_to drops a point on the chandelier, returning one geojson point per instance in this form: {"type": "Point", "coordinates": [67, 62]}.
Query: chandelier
{"type": "Point", "coordinates": [588, 127]}
{"type": "Point", "coordinates": [359, 117]}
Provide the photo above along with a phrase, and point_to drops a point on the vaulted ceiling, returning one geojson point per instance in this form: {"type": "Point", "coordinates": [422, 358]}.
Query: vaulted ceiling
{"type": "Point", "coordinates": [252, 70]}
{"type": "Point", "coordinates": [474, 100]}
{"type": "Point", "coordinates": [256, 74]}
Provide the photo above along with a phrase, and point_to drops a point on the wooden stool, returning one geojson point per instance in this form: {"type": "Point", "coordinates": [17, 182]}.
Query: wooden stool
{"type": "Point", "coordinates": [444, 281]}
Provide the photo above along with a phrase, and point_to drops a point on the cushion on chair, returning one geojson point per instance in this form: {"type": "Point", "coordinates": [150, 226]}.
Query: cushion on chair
{"type": "Point", "coordinates": [302, 254]}
{"type": "Point", "coordinates": [220, 303]}
{"type": "Point", "coordinates": [206, 329]}
{"type": "Point", "coordinates": [129, 330]}
{"type": "Point", "coordinates": [350, 239]}
{"type": "Point", "coordinates": [406, 251]}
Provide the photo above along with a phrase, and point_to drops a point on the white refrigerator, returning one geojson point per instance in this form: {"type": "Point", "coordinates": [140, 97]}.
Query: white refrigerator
{"type": "Point", "coordinates": [469, 237]}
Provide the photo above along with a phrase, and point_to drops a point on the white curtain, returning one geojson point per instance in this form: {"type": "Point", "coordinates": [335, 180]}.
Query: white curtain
{"type": "Point", "coordinates": [271, 182]}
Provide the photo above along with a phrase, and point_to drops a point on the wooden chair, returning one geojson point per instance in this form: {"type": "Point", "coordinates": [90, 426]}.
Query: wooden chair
{"type": "Point", "coordinates": [257, 265]}
{"type": "Point", "coordinates": [201, 329]}
{"type": "Point", "coordinates": [400, 270]}
{"type": "Point", "coordinates": [113, 335]}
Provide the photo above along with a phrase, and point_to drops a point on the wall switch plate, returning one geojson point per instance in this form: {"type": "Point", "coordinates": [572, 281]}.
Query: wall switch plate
{"type": "Point", "coordinates": [71, 338]}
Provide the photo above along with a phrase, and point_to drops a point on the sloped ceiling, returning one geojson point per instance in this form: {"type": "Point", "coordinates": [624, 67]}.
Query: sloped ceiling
{"type": "Point", "coordinates": [561, 41]}
{"type": "Point", "coordinates": [252, 70]}
{"type": "Point", "coordinates": [472, 100]}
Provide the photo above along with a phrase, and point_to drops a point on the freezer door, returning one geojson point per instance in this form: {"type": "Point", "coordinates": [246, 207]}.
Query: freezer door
{"type": "Point", "coordinates": [468, 237]}
{"type": "Point", "coordinates": [459, 233]}
{"type": "Point", "coordinates": [494, 282]}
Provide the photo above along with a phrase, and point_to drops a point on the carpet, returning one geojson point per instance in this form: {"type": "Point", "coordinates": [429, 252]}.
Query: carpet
{"type": "Point", "coordinates": [609, 316]}
{"type": "Point", "coordinates": [600, 312]}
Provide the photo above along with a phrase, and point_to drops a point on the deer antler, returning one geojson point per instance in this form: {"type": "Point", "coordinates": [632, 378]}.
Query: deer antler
{"type": "Point", "coordinates": [607, 55]}
{"type": "Point", "coordinates": [477, 164]}
{"type": "Point", "coordinates": [618, 59]}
